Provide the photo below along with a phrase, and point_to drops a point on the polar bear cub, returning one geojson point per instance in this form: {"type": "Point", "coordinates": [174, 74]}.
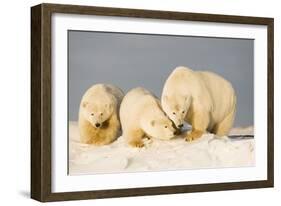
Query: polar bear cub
{"type": "Point", "coordinates": [203, 99]}
{"type": "Point", "coordinates": [99, 114]}
{"type": "Point", "coordinates": [140, 115]}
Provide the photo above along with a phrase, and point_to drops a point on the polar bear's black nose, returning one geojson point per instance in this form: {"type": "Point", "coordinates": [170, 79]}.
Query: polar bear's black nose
{"type": "Point", "coordinates": [180, 126]}
{"type": "Point", "coordinates": [97, 124]}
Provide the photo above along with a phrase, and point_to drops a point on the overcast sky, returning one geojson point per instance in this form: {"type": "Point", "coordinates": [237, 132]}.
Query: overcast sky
{"type": "Point", "coordinates": [132, 60]}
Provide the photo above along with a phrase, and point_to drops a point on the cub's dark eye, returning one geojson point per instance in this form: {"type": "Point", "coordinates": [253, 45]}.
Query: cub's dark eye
{"type": "Point", "coordinates": [92, 114]}
{"type": "Point", "coordinates": [166, 126]}
{"type": "Point", "coordinates": [101, 114]}
{"type": "Point", "coordinates": [182, 112]}
{"type": "Point", "coordinates": [174, 113]}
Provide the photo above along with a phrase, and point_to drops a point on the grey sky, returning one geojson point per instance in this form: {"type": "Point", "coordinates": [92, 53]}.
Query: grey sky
{"type": "Point", "coordinates": [131, 60]}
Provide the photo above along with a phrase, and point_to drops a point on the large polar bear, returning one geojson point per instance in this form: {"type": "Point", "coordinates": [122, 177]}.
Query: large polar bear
{"type": "Point", "coordinates": [140, 115]}
{"type": "Point", "coordinates": [99, 114]}
{"type": "Point", "coordinates": [203, 99]}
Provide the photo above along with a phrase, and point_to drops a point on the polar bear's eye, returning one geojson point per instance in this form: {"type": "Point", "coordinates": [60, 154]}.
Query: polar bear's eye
{"type": "Point", "coordinates": [92, 114]}
{"type": "Point", "coordinates": [174, 113]}
{"type": "Point", "coordinates": [183, 112]}
{"type": "Point", "coordinates": [166, 126]}
{"type": "Point", "coordinates": [101, 114]}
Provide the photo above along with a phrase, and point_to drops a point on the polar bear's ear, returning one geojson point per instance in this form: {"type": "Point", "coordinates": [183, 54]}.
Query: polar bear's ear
{"type": "Point", "coordinates": [84, 104]}
{"type": "Point", "coordinates": [152, 122]}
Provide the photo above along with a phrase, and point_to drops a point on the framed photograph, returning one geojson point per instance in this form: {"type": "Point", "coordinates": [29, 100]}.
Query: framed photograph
{"type": "Point", "coordinates": [128, 102]}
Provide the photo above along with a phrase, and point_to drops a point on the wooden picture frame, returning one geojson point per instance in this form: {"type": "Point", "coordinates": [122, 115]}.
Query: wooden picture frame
{"type": "Point", "coordinates": [41, 118]}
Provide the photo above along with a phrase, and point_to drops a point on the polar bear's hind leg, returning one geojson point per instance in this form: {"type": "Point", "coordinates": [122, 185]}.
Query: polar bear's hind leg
{"type": "Point", "coordinates": [223, 128]}
{"type": "Point", "coordinates": [134, 138]}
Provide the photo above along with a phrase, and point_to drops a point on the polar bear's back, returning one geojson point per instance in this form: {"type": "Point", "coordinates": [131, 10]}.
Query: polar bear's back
{"type": "Point", "coordinates": [136, 98]}
{"type": "Point", "coordinates": [116, 92]}
{"type": "Point", "coordinates": [103, 90]}
{"type": "Point", "coordinates": [221, 93]}
{"type": "Point", "coordinates": [184, 81]}
{"type": "Point", "coordinates": [134, 103]}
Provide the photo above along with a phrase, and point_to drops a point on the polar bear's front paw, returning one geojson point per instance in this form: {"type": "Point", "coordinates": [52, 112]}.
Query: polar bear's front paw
{"type": "Point", "coordinates": [98, 142]}
{"type": "Point", "coordinates": [136, 143]}
{"type": "Point", "coordinates": [195, 134]}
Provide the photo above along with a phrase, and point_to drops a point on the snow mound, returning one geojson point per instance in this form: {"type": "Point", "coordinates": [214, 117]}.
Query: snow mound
{"type": "Point", "coordinates": [158, 155]}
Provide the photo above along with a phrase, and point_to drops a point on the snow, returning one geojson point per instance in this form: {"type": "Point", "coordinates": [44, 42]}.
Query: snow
{"type": "Point", "coordinates": [158, 155]}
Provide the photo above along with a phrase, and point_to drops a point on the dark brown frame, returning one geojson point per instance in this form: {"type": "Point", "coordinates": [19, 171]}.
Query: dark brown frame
{"type": "Point", "coordinates": [41, 101]}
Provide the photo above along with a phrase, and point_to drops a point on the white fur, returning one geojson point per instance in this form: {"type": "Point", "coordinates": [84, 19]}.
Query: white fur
{"type": "Point", "coordinates": [203, 99]}
{"type": "Point", "coordinates": [99, 106]}
{"type": "Point", "coordinates": [140, 115]}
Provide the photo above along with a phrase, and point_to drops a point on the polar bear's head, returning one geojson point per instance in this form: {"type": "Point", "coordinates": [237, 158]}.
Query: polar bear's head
{"type": "Point", "coordinates": [97, 112]}
{"type": "Point", "coordinates": [176, 107]}
{"type": "Point", "coordinates": [159, 126]}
